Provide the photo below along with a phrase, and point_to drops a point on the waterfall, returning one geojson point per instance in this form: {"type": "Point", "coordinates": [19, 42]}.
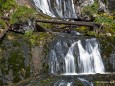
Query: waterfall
{"type": "Point", "coordinates": [57, 8]}
{"type": "Point", "coordinates": [90, 59]}
{"type": "Point", "coordinates": [86, 82]}
{"type": "Point", "coordinates": [63, 83]}
{"type": "Point", "coordinates": [80, 56]}
{"type": "Point", "coordinates": [43, 5]}
{"type": "Point", "coordinates": [69, 60]}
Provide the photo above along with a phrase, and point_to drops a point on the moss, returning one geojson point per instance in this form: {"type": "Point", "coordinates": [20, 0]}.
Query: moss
{"type": "Point", "coordinates": [107, 21]}
{"type": "Point", "coordinates": [15, 57]}
{"type": "Point", "coordinates": [22, 13]}
{"type": "Point", "coordinates": [92, 33]}
{"type": "Point", "coordinates": [37, 38]}
{"type": "Point", "coordinates": [82, 29]}
{"type": "Point", "coordinates": [32, 37]}
{"type": "Point", "coordinates": [7, 5]}
{"type": "Point", "coordinates": [91, 9]}
{"type": "Point", "coordinates": [47, 25]}
{"type": "Point", "coordinates": [107, 45]}
{"type": "Point", "coordinates": [2, 24]}
{"type": "Point", "coordinates": [86, 31]}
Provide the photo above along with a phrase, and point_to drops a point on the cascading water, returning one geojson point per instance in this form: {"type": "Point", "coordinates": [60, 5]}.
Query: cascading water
{"type": "Point", "coordinates": [75, 57]}
{"type": "Point", "coordinates": [86, 60]}
{"type": "Point", "coordinates": [43, 5]}
{"type": "Point", "coordinates": [86, 82]}
{"type": "Point", "coordinates": [90, 59]}
{"type": "Point", "coordinates": [67, 56]}
{"type": "Point", "coordinates": [69, 60]}
{"type": "Point", "coordinates": [63, 83]}
{"type": "Point", "coordinates": [57, 8]}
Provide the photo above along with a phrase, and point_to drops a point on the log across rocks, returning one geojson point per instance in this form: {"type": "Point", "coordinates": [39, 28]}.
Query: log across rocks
{"type": "Point", "coordinates": [93, 25]}
{"type": "Point", "coordinates": [78, 23]}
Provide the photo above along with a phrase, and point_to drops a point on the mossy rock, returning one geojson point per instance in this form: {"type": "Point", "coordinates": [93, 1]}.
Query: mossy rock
{"type": "Point", "coordinates": [22, 14]}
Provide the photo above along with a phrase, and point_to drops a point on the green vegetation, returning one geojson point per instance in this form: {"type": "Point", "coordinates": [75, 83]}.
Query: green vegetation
{"type": "Point", "coordinates": [47, 25]}
{"type": "Point", "coordinates": [22, 14]}
{"type": "Point", "coordinates": [15, 12]}
{"type": "Point", "coordinates": [37, 39]}
{"type": "Point", "coordinates": [32, 38]}
{"type": "Point", "coordinates": [15, 50]}
{"type": "Point", "coordinates": [14, 59]}
{"type": "Point", "coordinates": [108, 23]}
{"type": "Point", "coordinates": [2, 24]}
{"type": "Point", "coordinates": [6, 5]}
{"type": "Point", "coordinates": [91, 9]}
{"type": "Point", "coordinates": [108, 26]}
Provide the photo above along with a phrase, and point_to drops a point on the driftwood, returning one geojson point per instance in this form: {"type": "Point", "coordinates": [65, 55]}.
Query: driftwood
{"type": "Point", "coordinates": [78, 23]}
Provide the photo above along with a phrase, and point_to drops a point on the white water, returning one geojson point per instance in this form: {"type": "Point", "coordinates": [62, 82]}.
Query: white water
{"type": "Point", "coordinates": [90, 59]}
{"type": "Point", "coordinates": [63, 83]}
{"type": "Point", "coordinates": [43, 5]}
{"type": "Point", "coordinates": [54, 64]}
{"type": "Point", "coordinates": [86, 82]}
{"type": "Point", "coordinates": [69, 83]}
{"type": "Point", "coordinates": [57, 8]}
{"type": "Point", "coordinates": [69, 60]}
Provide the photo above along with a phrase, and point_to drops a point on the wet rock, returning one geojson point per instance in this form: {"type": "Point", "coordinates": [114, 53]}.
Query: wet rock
{"type": "Point", "coordinates": [90, 5]}
{"type": "Point", "coordinates": [15, 65]}
{"type": "Point", "coordinates": [112, 61]}
{"type": "Point", "coordinates": [20, 60]}
{"type": "Point", "coordinates": [111, 5]}
{"type": "Point", "coordinates": [107, 45]}
{"type": "Point", "coordinates": [22, 27]}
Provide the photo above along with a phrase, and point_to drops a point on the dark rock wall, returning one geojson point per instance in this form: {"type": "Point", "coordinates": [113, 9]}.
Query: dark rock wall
{"type": "Point", "coordinates": [111, 5]}
{"type": "Point", "coordinates": [20, 60]}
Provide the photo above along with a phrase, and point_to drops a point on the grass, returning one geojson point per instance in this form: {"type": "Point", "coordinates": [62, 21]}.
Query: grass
{"type": "Point", "coordinates": [107, 21]}
{"type": "Point", "coordinates": [7, 5]}
{"type": "Point", "coordinates": [22, 14]}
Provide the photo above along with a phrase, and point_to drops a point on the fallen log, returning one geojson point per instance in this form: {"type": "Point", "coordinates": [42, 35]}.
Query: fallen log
{"type": "Point", "coordinates": [78, 23]}
{"type": "Point", "coordinates": [55, 21]}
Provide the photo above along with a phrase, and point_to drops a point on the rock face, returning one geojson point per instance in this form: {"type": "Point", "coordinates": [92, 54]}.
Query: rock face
{"type": "Point", "coordinates": [80, 5]}
{"type": "Point", "coordinates": [111, 5]}
{"type": "Point", "coordinates": [22, 27]}
{"type": "Point", "coordinates": [22, 2]}
{"type": "Point", "coordinates": [15, 62]}
{"type": "Point", "coordinates": [20, 59]}
{"type": "Point", "coordinates": [26, 3]}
